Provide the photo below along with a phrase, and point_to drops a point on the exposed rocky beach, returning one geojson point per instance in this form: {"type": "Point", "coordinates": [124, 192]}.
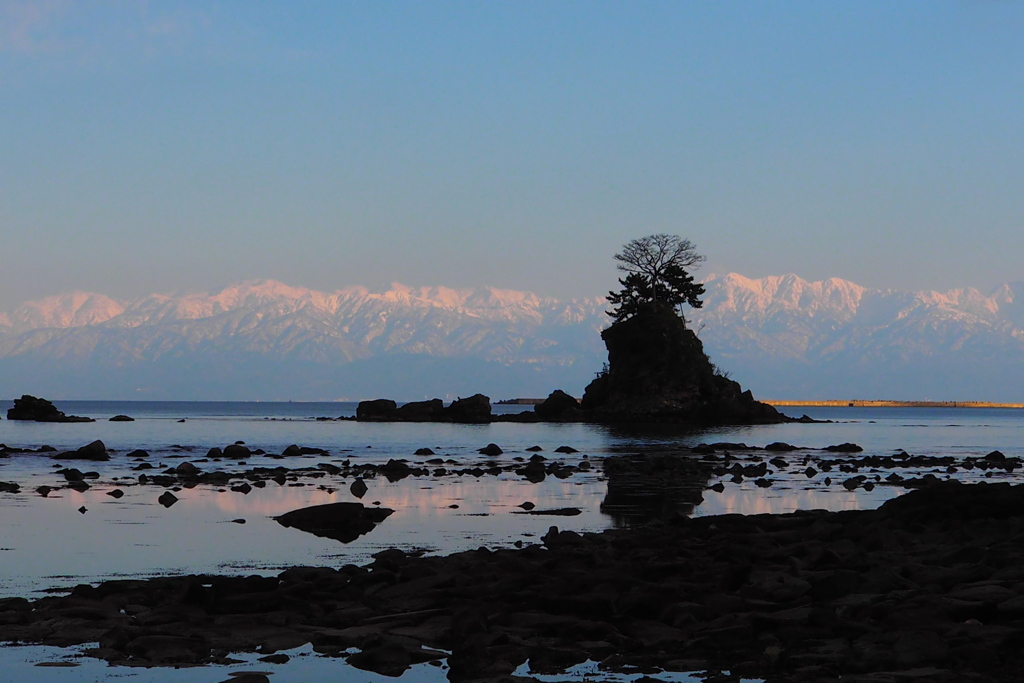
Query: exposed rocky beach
{"type": "Point", "coordinates": [924, 588]}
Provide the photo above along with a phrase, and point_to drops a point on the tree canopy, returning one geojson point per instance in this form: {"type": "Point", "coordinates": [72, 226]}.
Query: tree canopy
{"type": "Point", "coordinates": [656, 275]}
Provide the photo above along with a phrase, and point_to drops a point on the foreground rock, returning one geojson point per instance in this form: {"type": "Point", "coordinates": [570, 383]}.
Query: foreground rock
{"type": "Point", "coordinates": [928, 587]}
{"type": "Point", "coordinates": [40, 410]}
{"type": "Point", "coordinates": [658, 371]}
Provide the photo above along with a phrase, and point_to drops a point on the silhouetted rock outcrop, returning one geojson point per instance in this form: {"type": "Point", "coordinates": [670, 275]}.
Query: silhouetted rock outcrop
{"type": "Point", "coordinates": [658, 371]}
{"type": "Point", "coordinates": [40, 410]}
{"type": "Point", "coordinates": [559, 406]}
{"type": "Point", "coordinates": [421, 411]}
{"type": "Point", "coordinates": [381, 409]}
{"type": "Point", "coordinates": [476, 408]}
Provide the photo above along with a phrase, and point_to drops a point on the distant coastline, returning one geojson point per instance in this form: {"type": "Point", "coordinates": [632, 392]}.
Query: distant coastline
{"type": "Point", "coordinates": [857, 403]}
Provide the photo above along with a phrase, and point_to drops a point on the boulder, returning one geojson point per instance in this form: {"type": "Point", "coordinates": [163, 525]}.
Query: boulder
{"type": "Point", "coordinates": [475, 409]}
{"type": "Point", "coordinates": [40, 410]}
{"type": "Point", "coordinates": [93, 451]}
{"type": "Point", "coordinates": [122, 418]}
{"type": "Point", "coordinates": [344, 522]}
{"type": "Point", "coordinates": [236, 451]}
{"type": "Point", "coordinates": [559, 406]}
{"type": "Point", "coordinates": [421, 411]}
{"type": "Point", "coordinates": [380, 410]}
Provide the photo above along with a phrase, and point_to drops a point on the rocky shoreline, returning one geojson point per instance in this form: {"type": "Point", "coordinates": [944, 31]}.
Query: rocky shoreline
{"type": "Point", "coordinates": [928, 587]}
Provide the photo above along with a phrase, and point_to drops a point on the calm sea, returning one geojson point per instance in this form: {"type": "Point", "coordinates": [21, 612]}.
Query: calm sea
{"type": "Point", "coordinates": [48, 542]}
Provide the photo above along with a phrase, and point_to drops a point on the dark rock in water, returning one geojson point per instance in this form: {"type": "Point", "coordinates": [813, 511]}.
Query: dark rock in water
{"type": "Point", "coordinates": [167, 499]}
{"type": "Point", "coordinates": [781, 446]}
{"type": "Point", "coordinates": [844, 448]}
{"type": "Point", "coordinates": [44, 491]}
{"type": "Point", "coordinates": [566, 449]}
{"type": "Point", "coordinates": [236, 451]}
{"type": "Point", "coordinates": [358, 488]}
{"type": "Point", "coordinates": [559, 406]}
{"type": "Point", "coordinates": [995, 456]}
{"type": "Point", "coordinates": [116, 493]}
{"type": "Point", "coordinates": [72, 474]}
{"type": "Point", "coordinates": [94, 451]}
{"type": "Point", "coordinates": [421, 411]}
{"type": "Point", "coordinates": [527, 505]}
{"type": "Point", "coordinates": [344, 522]}
{"type": "Point", "coordinates": [215, 452]}
{"type": "Point", "coordinates": [534, 449]}
{"type": "Point", "coordinates": [40, 410]}
{"type": "Point", "coordinates": [295, 450]}
{"type": "Point", "coordinates": [83, 509]}
{"type": "Point", "coordinates": [9, 487]}
{"type": "Point", "coordinates": [561, 512]}
{"type": "Point", "coordinates": [424, 451]}
{"type": "Point", "coordinates": [122, 418]}
{"type": "Point", "coordinates": [490, 449]}
{"type": "Point", "coordinates": [137, 453]}
{"type": "Point", "coordinates": [381, 409]}
{"type": "Point", "coordinates": [253, 676]}
{"type": "Point", "coordinates": [658, 371]}
{"type": "Point", "coordinates": [475, 409]}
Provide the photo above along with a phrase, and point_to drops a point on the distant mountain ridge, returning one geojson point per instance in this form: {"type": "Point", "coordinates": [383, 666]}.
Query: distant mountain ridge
{"type": "Point", "coordinates": [782, 336]}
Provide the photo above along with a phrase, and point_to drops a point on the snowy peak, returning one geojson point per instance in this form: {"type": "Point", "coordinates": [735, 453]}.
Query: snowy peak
{"type": "Point", "coordinates": [76, 309]}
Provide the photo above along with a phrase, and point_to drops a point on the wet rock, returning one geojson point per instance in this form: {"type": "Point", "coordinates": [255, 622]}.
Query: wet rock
{"type": "Point", "coordinates": [421, 411]}
{"type": "Point", "coordinates": [122, 418]}
{"type": "Point", "coordinates": [560, 512]}
{"type": "Point", "coordinates": [236, 451]}
{"type": "Point", "coordinates": [167, 499]}
{"type": "Point", "coordinates": [358, 488]}
{"type": "Point", "coordinates": [344, 522]}
{"type": "Point", "coordinates": [490, 449]}
{"type": "Point", "coordinates": [995, 456]}
{"type": "Point", "coordinates": [424, 451]}
{"type": "Point", "coordinates": [381, 409]}
{"type": "Point", "coordinates": [474, 410]}
{"type": "Point", "coordinates": [781, 446]}
{"type": "Point", "coordinates": [534, 449]}
{"type": "Point", "coordinates": [559, 406]}
{"type": "Point", "coordinates": [186, 469]}
{"type": "Point", "coordinates": [844, 448]}
{"type": "Point", "coordinates": [566, 449]}
{"type": "Point", "coordinates": [137, 453]}
{"type": "Point", "coordinates": [9, 487]}
{"type": "Point", "coordinates": [93, 451]}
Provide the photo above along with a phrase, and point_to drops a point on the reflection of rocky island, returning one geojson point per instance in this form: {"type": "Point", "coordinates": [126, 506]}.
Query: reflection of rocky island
{"type": "Point", "coordinates": [658, 371]}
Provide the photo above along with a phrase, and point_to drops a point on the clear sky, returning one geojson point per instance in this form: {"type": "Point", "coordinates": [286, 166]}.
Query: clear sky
{"type": "Point", "coordinates": [168, 146]}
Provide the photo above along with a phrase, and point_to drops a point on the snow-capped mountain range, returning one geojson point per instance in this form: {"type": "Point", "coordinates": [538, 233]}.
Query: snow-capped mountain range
{"type": "Point", "coordinates": [782, 336]}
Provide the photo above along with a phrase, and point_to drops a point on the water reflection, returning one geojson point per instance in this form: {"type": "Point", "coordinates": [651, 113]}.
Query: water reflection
{"type": "Point", "coordinates": [642, 488]}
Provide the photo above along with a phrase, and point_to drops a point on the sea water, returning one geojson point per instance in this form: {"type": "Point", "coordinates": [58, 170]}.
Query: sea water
{"type": "Point", "coordinates": [69, 537]}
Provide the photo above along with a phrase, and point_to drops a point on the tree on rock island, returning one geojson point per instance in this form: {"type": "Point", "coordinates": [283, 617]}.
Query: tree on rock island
{"type": "Point", "coordinates": [657, 369]}
{"type": "Point", "coordinates": [656, 275]}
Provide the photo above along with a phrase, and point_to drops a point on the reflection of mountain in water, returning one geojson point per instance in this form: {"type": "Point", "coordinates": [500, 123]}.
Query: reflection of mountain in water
{"type": "Point", "coordinates": [643, 488]}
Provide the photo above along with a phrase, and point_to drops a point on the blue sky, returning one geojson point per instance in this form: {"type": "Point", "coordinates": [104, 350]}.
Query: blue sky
{"type": "Point", "coordinates": [168, 146]}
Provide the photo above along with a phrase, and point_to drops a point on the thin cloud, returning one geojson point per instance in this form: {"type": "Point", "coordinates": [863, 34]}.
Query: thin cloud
{"type": "Point", "coordinates": [32, 26]}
